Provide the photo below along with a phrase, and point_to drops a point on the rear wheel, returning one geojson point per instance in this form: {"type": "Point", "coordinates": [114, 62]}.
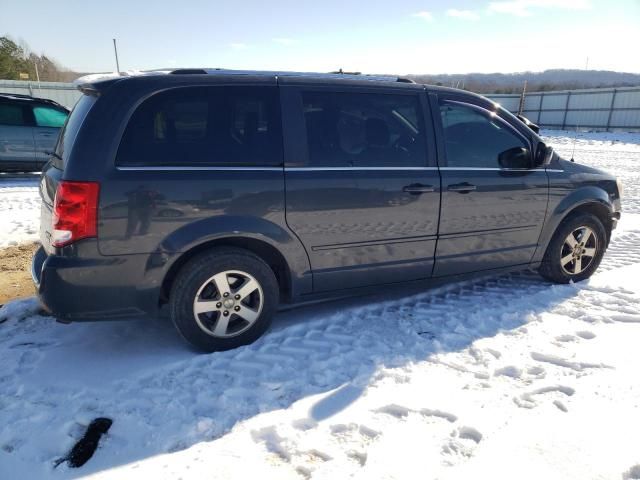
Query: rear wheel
{"type": "Point", "coordinates": [223, 299]}
{"type": "Point", "coordinates": [576, 249]}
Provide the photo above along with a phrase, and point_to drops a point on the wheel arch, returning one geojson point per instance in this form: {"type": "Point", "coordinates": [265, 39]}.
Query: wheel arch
{"type": "Point", "coordinates": [591, 200]}
{"type": "Point", "coordinates": [264, 250]}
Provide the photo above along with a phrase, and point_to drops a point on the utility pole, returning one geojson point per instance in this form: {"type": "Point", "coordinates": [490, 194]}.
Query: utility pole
{"type": "Point", "coordinates": [37, 75]}
{"type": "Point", "coordinates": [524, 91]}
{"type": "Point", "coordinates": [115, 49]}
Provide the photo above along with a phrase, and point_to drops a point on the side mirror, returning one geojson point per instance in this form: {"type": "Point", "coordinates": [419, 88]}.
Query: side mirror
{"type": "Point", "coordinates": [529, 123]}
{"type": "Point", "coordinates": [517, 157]}
{"type": "Point", "coordinates": [544, 154]}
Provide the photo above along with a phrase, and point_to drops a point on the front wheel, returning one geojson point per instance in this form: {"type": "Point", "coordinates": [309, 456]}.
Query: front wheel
{"type": "Point", "coordinates": [223, 299]}
{"type": "Point", "coordinates": [575, 251]}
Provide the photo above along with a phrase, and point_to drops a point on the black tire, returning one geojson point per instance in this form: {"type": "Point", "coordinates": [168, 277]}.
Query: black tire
{"type": "Point", "coordinates": [188, 286]}
{"type": "Point", "coordinates": [552, 265]}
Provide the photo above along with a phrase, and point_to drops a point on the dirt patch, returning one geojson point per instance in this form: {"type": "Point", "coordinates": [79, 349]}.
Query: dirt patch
{"type": "Point", "coordinates": [15, 272]}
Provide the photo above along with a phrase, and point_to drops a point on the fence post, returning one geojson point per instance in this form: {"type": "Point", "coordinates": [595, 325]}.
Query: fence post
{"type": "Point", "coordinates": [566, 107]}
{"type": "Point", "coordinates": [613, 101]}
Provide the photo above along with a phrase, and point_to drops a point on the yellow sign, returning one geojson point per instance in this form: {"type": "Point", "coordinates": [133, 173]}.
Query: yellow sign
{"type": "Point", "coordinates": [24, 76]}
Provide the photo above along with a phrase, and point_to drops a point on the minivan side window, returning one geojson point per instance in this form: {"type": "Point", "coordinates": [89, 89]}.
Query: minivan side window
{"type": "Point", "coordinates": [227, 126]}
{"type": "Point", "coordinates": [364, 130]}
{"type": "Point", "coordinates": [475, 140]}
{"type": "Point", "coordinates": [49, 117]}
{"type": "Point", "coordinates": [12, 115]}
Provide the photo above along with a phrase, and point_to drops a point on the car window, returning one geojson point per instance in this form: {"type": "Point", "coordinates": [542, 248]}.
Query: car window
{"type": "Point", "coordinates": [205, 126]}
{"type": "Point", "coordinates": [364, 130]}
{"type": "Point", "coordinates": [11, 114]}
{"type": "Point", "coordinates": [473, 139]}
{"type": "Point", "coordinates": [49, 117]}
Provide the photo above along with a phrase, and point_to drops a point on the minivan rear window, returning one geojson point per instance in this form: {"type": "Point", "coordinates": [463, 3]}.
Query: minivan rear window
{"type": "Point", "coordinates": [219, 125]}
{"type": "Point", "coordinates": [71, 128]}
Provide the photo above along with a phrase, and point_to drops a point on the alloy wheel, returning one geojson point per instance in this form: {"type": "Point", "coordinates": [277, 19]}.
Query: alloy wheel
{"type": "Point", "coordinates": [578, 250]}
{"type": "Point", "coordinates": [228, 303]}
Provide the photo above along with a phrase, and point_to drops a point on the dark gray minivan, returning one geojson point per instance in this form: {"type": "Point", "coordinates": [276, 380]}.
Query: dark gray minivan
{"type": "Point", "coordinates": [222, 194]}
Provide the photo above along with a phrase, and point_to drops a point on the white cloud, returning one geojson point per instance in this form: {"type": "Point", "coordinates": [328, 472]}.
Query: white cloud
{"type": "Point", "coordinates": [523, 8]}
{"type": "Point", "coordinates": [427, 16]}
{"type": "Point", "coordinates": [464, 14]}
{"type": "Point", "coordinates": [284, 41]}
{"type": "Point", "coordinates": [239, 46]}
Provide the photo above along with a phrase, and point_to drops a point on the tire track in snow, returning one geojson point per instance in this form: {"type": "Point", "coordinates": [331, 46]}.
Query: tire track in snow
{"type": "Point", "coordinates": [168, 405]}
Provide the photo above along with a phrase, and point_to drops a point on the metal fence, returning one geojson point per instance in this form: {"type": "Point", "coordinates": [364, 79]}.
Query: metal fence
{"type": "Point", "coordinates": [609, 109]}
{"type": "Point", "coordinates": [64, 93]}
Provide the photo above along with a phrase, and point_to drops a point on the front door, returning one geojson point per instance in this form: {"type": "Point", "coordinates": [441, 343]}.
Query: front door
{"type": "Point", "coordinates": [362, 193]}
{"type": "Point", "coordinates": [491, 216]}
{"type": "Point", "coordinates": [48, 122]}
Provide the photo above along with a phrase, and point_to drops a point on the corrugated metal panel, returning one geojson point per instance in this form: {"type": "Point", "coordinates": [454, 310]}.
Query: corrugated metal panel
{"type": "Point", "coordinates": [588, 108]}
{"type": "Point", "coordinates": [554, 100]}
{"type": "Point", "coordinates": [626, 99]}
{"type": "Point", "coordinates": [590, 100]}
{"type": "Point", "coordinates": [551, 118]}
{"type": "Point", "coordinates": [532, 102]}
{"type": "Point", "coordinates": [626, 118]}
{"type": "Point", "coordinates": [587, 117]}
{"type": "Point", "coordinates": [64, 93]}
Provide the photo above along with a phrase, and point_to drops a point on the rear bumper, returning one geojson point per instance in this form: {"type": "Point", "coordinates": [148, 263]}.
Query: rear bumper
{"type": "Point", "coordinates": [82, 285]}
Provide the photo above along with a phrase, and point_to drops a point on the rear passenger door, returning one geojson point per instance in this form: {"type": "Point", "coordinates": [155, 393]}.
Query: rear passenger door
{"type": "Point", "coordinates": [362, 191]}
{"type": "Point", "coordinates": [491, 216]}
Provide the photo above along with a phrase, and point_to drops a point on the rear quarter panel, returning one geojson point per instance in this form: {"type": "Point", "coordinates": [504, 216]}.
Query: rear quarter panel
{"type": "Point", "coordinates": [162, 213]}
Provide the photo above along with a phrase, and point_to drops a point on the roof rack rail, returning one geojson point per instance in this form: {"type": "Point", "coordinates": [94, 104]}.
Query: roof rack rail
{"type": "Point", "coordinates": [22, 96]}
{"type": "Point", "coordinates": [189, 71]}
{"type": "Point", "coordinates": [341, 72]}
{"type": "Point", "coordinates": [16, 95]}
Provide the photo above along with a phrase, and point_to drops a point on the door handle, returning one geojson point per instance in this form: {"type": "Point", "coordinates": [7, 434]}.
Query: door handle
{"type": "Point", "coordinates": [418, 188]}
{"type": "Point", "coordinates": [461, 187]}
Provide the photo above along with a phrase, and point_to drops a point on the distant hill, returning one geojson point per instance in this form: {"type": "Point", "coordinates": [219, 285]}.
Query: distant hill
{"type": "Point", "coordinates": [536, 81]}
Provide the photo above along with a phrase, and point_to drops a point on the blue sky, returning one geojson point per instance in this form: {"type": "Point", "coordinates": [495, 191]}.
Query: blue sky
{"type": "Point", "coordinates": [365, 35]}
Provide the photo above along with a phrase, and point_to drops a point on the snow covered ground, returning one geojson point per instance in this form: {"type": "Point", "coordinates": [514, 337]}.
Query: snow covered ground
{"type": "Point", "coordinates": [19, 210]}
{"type": "Point", "coordinates": [502, 377]}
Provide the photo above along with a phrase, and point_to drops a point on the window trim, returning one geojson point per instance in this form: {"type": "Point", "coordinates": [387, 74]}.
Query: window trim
{"type": "Point", "coordinates": [487, 114]}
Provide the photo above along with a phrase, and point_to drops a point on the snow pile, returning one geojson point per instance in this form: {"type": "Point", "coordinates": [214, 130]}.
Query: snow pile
{"type": "Point", "coordinates": [19, 211]}
{"type": "Point", "coordinates": [502, 377]}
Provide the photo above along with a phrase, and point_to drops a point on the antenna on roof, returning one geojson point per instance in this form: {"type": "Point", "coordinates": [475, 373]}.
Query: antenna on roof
{"type": "Point", "coordinates": [115, 50]}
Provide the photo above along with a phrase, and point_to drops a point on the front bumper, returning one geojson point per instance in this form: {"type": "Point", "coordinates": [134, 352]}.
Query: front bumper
{"type": "Point", "coordinates": [615, 218]}
{"type": "Point", "coordinates": [83, 285]}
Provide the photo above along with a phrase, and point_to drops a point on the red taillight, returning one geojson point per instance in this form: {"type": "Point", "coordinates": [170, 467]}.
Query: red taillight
{"type": "Point", "coordinates": [75, 212]}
